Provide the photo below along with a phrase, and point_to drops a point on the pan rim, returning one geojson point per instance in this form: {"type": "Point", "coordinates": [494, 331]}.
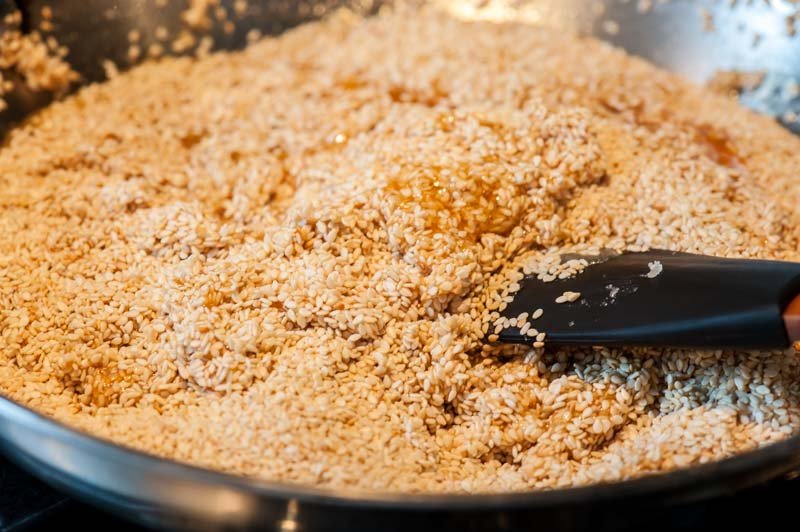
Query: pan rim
{"type": "Point", "coordinates": [772, 460]}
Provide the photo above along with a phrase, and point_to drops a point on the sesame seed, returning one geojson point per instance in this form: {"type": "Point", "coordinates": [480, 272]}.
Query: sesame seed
{"type": "Point", "coordinates": [568, 297]}
{"type": "Point", "coordinates": [655, 269]}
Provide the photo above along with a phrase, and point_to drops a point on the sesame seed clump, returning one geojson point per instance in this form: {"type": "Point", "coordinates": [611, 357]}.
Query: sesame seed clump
{"type": "Point", "coordinates": [38, 62]}
{"type": "Point", "coordinates": [284, 262]}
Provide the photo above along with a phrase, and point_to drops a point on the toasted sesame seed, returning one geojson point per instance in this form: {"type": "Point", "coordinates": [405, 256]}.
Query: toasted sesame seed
{"type": "Point", "coordinates": [611, 27]}
{"type": "Point", "coordinates": [37, 61]}
{"type": "Point", "coordinates": [568, 297]}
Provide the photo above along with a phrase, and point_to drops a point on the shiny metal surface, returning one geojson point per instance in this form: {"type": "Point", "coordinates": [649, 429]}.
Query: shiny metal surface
{"type": "Point", "coordinates": [748, 36]}
{"type": "Point", "coordinates": [161, 493]}
{"type": "Point", "coordinates": [166, 494]}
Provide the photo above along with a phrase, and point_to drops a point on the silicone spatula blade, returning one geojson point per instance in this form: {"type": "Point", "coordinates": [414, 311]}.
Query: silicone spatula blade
{"type": "Point", "coordinates": [666, 299]}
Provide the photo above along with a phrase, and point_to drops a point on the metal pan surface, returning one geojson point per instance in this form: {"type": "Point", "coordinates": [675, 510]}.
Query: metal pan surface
{"type": "Point", "coordinates": [162, 493]}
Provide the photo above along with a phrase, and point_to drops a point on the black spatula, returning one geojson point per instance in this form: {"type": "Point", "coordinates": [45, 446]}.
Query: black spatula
{"type": "Point", "coordinates": [664, 298]}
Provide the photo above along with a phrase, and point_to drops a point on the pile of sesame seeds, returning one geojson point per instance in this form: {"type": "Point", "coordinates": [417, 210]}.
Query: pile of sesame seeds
{"type": "Point", "coordinates": [285, 262]}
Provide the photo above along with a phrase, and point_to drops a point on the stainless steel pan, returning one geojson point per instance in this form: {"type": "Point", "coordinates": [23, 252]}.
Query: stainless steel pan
{"type": "Point", "coordinates": [167, 494]}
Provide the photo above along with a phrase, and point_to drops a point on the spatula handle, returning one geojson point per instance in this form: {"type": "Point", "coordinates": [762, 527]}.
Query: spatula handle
{"type": "Point", "coordinates": [791, 319]}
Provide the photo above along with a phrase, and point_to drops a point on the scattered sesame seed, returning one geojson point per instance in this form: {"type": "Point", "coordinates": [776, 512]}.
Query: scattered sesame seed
{"type": "Point", "coordinates": [611, 27]}
{"type": "Point", "coordinates": [568, 297]}
{"type": "Point", "coordinates": [655, 269]}
{"type": "Point", "coordinates": [161, 33]}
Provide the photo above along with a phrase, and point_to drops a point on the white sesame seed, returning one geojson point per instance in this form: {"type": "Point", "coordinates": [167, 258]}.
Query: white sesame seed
{"type": "Point", "coordinates": [568, 297]}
